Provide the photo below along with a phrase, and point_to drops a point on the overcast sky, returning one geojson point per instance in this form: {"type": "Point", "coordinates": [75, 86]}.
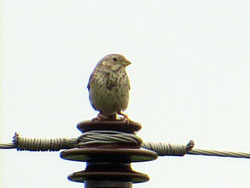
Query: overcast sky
{"type": "Point", "coordinates": [190, 76]}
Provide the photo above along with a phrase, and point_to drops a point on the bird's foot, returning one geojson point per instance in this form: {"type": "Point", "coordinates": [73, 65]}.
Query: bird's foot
{"type": "Point", "coordinates": [100, 117]}
{"type": "Point", "coordinates": [124, 118]}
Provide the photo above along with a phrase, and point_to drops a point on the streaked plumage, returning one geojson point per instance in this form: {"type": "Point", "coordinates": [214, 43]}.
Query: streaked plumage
{"type": "Point", "coordinates": [109, 86]}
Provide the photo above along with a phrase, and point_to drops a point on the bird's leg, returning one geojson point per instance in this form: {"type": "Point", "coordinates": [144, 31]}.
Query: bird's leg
{"type": "Point", "coordinates": [100, 117]}
{"type": "Point", "coordinates": [125, 116]}
{"type": "Point", "coordinates": [112, 117]}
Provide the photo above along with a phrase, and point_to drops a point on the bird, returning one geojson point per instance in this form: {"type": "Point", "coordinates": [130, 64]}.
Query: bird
{"type": "Point", "coordinates": [109, 87]}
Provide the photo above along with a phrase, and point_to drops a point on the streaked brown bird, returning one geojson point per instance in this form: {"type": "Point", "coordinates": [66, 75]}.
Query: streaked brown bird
{"type": "Point", "coordinates": [109, 87]}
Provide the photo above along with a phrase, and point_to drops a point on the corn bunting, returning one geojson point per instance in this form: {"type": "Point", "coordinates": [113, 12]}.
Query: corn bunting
{"type": "Point", "coordinates": [109, 87]}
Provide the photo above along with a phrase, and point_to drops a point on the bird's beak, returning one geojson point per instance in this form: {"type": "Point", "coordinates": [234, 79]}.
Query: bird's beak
{"type": "Point", "coordinates": [126, 62]}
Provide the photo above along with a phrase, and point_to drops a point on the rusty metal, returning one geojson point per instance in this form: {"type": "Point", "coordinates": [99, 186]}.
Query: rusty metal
{"type": "Point", "coordinates": [109, 165]}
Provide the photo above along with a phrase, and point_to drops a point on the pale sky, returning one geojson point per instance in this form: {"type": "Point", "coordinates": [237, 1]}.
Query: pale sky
{"type": "Point", "coordinates": [189, 76]}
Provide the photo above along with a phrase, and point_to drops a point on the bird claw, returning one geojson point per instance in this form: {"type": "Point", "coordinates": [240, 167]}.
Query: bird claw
{"type": "Point", "coordinates": [124, 118]}
{"type": "Point", "coordinates": [100, 117]}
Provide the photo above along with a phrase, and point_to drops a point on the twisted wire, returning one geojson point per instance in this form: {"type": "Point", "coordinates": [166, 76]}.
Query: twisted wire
{"type": "Point", "coordinates": [39, 144]}
{"type": "Point", "coordinates": [219, 153]}
{"type": "Point", "coordinates": [166, 149]}
{"type": "Point", "coordinates": [109, 137]}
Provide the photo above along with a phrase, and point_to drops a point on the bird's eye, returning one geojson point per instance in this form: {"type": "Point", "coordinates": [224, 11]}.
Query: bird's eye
{"type": "Point", "coordinates": [115, 59]}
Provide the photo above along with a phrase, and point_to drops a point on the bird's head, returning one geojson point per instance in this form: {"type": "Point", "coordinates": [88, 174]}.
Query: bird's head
{"type": "Point", "coordinates": [115, 62]}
